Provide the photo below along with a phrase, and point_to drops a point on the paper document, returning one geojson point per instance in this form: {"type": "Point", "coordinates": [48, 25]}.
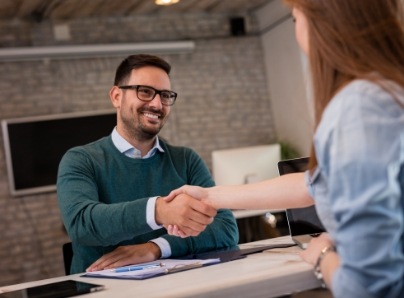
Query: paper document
{"type": "Point", "coordinates": [156, 268]}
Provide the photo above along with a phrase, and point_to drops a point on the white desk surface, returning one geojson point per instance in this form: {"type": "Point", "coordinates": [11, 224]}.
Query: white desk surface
{"type": "Point", "coordinates": [271, 273]}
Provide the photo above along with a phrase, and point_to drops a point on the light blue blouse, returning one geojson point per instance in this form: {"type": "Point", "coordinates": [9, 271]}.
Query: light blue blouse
{"type": "Point", "coordinates": [358, 188]}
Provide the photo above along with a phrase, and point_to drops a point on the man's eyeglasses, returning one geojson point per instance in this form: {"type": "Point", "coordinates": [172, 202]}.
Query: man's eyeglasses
{"type": "Point", "coordinates": [147, 93]}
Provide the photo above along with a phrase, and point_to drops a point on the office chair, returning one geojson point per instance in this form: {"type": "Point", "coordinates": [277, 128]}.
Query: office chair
{"type": "Point", "coordinates": [67, 256]}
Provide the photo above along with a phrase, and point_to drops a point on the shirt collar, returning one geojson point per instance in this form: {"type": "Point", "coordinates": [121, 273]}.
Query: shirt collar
{"type": "Point", "coordinates": [125, 147]}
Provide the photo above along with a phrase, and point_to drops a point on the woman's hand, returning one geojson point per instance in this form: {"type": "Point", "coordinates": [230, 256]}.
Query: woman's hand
{"type": "Point", "coordinates": [196, 192]}
{"type": "Point", "coordinates": [316, 245]}
{"type": "Point", "coordinates": [330, 261]}
{"type": "Point", "coordinates": [175, 231]}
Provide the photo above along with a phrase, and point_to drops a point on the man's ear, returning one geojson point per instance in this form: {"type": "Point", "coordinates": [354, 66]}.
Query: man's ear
{"type": "Point", "coordinates": [115, 94]}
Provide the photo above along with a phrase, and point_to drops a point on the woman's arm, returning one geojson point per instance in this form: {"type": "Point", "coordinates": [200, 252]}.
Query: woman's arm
{"type": "Point", "coordinates": [287, 191]}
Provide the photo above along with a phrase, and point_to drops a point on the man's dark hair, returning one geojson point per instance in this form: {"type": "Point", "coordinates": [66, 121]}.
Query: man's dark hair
{"type": "Point", "coordinates": [135, 62]}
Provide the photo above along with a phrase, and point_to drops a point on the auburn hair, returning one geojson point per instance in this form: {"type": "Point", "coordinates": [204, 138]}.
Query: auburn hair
{"type": "Point", "coordinates": [351, 39]}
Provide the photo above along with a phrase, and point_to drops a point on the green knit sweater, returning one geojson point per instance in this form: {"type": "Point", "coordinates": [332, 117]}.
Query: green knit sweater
{"type": "Point", "coordinates": [102, 196]}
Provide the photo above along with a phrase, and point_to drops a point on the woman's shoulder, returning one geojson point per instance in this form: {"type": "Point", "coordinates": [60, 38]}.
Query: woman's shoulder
{"type": "Point", "coordinates": [364, 95]}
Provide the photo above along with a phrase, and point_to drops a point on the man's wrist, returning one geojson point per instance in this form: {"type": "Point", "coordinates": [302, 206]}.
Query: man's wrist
{"type": "Point", "coordinates": [155, 250]}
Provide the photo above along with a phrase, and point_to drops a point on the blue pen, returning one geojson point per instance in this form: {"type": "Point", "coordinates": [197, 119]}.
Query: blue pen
{"type": "Point", "coordinates": [136, 267]}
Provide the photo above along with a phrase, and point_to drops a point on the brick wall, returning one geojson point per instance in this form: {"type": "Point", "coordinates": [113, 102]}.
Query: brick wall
{"type": "Point", "coordinates": [223, 103]}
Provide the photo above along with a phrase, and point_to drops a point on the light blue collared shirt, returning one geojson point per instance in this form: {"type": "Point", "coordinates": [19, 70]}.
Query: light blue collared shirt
{"type": "Point", "coordinates": [126, 148]}
{"type": "Point", "coordinates": [358, 188]}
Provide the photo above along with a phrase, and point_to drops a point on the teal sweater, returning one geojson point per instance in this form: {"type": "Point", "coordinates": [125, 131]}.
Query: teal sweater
{"type": "Point", "coordinates": [102, 196]}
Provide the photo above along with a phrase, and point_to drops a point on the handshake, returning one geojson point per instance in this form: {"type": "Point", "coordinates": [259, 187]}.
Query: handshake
{"type": "Point", "coordinates": [186, 211]}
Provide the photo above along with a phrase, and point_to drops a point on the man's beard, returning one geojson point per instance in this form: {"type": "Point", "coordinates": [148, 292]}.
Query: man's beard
{"type": "Point", "coordinates": [137, 129]}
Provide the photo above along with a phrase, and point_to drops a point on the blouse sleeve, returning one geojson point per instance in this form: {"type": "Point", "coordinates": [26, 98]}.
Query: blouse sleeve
{"type": "Point", "coordinates": [363, 158]}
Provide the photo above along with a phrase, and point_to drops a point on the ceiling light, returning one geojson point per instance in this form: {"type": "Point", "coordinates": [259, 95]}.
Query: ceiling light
{"type": "Point", "coordinates": [166, 2]}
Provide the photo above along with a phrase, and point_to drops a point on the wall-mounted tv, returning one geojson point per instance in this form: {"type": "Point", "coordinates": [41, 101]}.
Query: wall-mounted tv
{"type": "Point", "coordinates": [34, 146]}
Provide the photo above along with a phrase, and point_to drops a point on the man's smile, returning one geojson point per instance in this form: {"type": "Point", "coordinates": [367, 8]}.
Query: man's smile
{"type": "Point", "coordinates": [152, 116]}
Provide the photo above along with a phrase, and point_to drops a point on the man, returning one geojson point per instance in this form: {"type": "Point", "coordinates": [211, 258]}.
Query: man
{"type": "Point", "coordinates": [108, 190]}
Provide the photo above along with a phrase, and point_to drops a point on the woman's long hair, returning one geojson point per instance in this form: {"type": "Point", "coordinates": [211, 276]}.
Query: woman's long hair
{"type": "Point", "coordinates": [350, 39]}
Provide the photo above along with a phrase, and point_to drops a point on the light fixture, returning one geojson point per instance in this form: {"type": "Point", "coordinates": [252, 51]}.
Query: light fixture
{"type": "Point", "coordinates": [92, 51]}
{"type": "Point", "coordinates": [166, 2]}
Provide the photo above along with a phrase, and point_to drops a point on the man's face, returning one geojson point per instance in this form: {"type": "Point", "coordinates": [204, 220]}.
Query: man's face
{"type": "Point", "coordinates": [139, 120]}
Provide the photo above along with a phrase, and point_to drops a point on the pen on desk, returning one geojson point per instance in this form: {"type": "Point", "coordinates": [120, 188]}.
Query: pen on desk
{"type": "Point", "coordinates": [137, 267]}
{"type": "Point", "coordinates": [180, 267]}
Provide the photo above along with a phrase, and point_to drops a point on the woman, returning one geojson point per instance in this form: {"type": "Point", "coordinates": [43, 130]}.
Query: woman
{"type": "Point", "coordinates": [356, 176]}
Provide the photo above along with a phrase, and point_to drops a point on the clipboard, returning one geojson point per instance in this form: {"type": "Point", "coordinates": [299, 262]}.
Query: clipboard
{"type": "Point", "coordinates": [167, 266]}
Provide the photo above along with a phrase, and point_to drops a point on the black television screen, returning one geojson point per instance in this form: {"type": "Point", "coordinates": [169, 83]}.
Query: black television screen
{"type": "Point", "coordinates": [34, 146]}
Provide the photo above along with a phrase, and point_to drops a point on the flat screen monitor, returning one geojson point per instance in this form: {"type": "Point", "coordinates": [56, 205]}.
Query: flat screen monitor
{"type": "Point", "coordinates": [245, 165]}
{"type": "Point", "coordinates": [34, 146]}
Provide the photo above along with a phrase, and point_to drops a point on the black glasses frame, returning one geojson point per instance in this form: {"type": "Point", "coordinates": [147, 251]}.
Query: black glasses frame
{"type": "Point", "coordinates": [173, 95]}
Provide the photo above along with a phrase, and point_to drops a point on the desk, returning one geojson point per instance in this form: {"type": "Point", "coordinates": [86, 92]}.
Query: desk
{"type": "Point", "coordinates": [268, 274]}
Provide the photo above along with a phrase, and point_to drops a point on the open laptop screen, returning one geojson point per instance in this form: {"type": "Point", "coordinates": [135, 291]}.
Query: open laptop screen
{"type": "Point", "coordinates": [302, 221]}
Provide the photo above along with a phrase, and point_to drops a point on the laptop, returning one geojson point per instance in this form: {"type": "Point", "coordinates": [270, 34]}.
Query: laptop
{"type": "Point", "coordinates": [303, 223]}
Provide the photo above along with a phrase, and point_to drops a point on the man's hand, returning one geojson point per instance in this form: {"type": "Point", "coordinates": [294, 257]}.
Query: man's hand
{"type": "Point", "coordinates": [190, 215]}
{"type": "Point", "coordinates": [127, 255]}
